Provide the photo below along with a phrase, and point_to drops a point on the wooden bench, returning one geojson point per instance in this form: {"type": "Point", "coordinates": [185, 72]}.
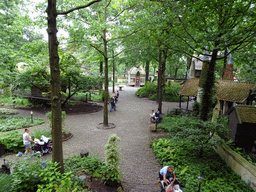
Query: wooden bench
{"type": "Point", "coordinates": [120, 87]}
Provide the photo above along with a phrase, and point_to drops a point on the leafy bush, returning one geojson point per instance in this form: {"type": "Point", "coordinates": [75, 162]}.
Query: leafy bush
{"type": "Point", "coordinates": [5, 182]}
{"type": "Point", "coordinates": [170, 92]}
{"type": "Point", "coordinates": [87, 164]}
{"type": "Point", "coordinates": [217, 176]}
{"type": "Point", "coordinates": [51, 177]}
{"type": "Point", "coordinates": [112, 172]}
{"type": "Point", "coordinates": [12, 141]}
{"type": "Point", "coordinates": [38, 176]}
{"type": "Point", "coordinates": [13, 122]}
{"type": "Point", "coordinates": [25, 175]}
{"type": "Point", "coordinates": [147, 90]}
{"type": "Point", "coordinates": [19, 101]}
{"type": "Point", "coordinates": [193, 129]}
{"type": "Point", "coordinates": [39, 132]}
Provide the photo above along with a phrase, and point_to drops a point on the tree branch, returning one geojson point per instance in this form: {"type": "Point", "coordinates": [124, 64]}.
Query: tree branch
{"type": "Point", "coordinates": [79, 7]}
{"type": "Point", "coordinates": [101, 52]}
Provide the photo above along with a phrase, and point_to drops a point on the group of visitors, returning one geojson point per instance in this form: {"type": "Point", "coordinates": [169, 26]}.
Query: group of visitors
{"type": "Point", "coordinates": [113, 101]}
{"type": "Point", "coordinates": [155, 116]}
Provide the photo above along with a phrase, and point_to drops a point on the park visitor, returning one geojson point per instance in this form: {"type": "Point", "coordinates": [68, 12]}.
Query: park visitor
{"type": "Point", "coordinates": [27, 141]}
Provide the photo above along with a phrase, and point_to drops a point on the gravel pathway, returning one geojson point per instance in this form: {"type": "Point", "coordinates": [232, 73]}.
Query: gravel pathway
{"type": "Point", "coordinates": [138, 163]}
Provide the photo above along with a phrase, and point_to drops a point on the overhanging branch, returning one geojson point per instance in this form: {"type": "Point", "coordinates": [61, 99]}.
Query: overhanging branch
{"type": "Point", "coordinates": [79, 7]}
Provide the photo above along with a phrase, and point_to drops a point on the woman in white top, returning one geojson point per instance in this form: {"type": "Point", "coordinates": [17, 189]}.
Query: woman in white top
{"type": "Point", "coordinates": [27, 141]}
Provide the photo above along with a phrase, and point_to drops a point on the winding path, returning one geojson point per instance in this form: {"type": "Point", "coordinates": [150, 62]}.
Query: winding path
{"type": "Point", "coordinates": [138, 163]}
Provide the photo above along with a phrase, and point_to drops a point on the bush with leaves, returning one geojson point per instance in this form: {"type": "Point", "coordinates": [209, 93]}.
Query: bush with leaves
{"type": "Point", "coordinates": [12, 141]}
{"type": "Point", "coordinates": [147, 90]}
{"type": "Point", "coordinates": [5, 182]}
{"type": "Point", "coordinates": [193, 129]}
{"type": "Point", "coordinates": [39, 132]}
{"type": "Point", "coordinates": [112, 173]}
{"type": "Point", "coordinates": [87, 164]}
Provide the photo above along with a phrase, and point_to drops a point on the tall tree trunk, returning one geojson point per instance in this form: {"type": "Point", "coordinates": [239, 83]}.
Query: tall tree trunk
{"type": "Point", "coordinates": [101, 72]}
{"type": "Point", "coordinates": [162, 77]}
{"type": "Point", "coordinates": [113, 73]}
{"type": "Point", "coordinates": [105, 122]}
{"type": "Point", "coordinates": [208, 84]}
{"type": "Point", "coordinates": [175, 74]}
{"type": "Point", "coordinates": [147, 70]}
{"type": "Point", "coordinates": [159, 87]}
{"type": "Point", "coordinates": [57, 155]}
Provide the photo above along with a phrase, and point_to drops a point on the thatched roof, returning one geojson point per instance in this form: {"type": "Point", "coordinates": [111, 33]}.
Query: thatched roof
{"type": "Point", "coordinates": [233, 91]}
{"type": "Point", "coordinates": [247, 113]}
{"type": "Point", "coordinates": [225, 90]}
{"type": "Point", "coordinates": [189, 88]}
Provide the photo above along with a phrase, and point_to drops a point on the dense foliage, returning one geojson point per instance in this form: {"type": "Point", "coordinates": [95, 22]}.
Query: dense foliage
{"type": "Point", "coordinates": [217, 176]}
{"type": "Point", "coordinates": [12, 141]}
{"type": "Point", "coordinates": [170, 91]}
{"type": "Point", "coordinates": [192, 129]}
{"type": "Point", "coordinates": [40, 175]}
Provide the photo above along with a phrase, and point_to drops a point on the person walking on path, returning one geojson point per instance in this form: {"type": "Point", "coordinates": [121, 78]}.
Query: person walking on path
{"type": "Point", "coordinates": [117, 96]}
{"type": "Point", "coordinates": [112, 103]}
{"type": "Point", "coordinates": [27, 141]}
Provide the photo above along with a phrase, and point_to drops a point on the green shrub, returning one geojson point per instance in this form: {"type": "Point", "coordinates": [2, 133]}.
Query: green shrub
{"type": "Point", "coordinates": [112, 171]}
{"type": "Point", "coordinates": [25, 175]}
{"type": "Point", "coordinates": [13, 122]}
{"type": "Point", "coordinates": [13, 141]}
{"type": "Point", "coordinates": [147, 90]}
{"type": "Point", "coordinates": [18, 101]}
{"type": "Point", "coordinates": [51, 178]}
{"type": "Point", "coordinates": [193, 129]}
{"type": "Point", "coordinates": [39, 132]}
{"type": "Point", "coordinates": [5, 182]}
{"type": "Point", "coordinates": [87, 164]}
{"type": "Point", "coordinates": [170, 92]}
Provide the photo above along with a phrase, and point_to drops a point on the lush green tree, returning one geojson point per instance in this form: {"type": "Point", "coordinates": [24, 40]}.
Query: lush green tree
{"type": "Point", "coordinates": [52, 14]}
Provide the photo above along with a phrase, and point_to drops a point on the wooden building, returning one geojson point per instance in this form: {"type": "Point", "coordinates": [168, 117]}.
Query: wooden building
{"type": "Point", "coordinates": [242, 126]}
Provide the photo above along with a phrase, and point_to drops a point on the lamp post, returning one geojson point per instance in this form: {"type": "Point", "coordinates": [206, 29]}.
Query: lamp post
{"type": "Point", "coordinates": [31, 116]}
{"type": "Point", "coordinates": [200, 178]}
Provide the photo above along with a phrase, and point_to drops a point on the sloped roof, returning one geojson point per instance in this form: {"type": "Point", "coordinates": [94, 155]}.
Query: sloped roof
{"type": "Point", "coordinates": [225, 90]}
{"type": "Point", "coordinates": [247, 113]}
{"type": "Point", "coordinates": [233, 91]}
{"type": "Point", "coordinates": [189, 88]}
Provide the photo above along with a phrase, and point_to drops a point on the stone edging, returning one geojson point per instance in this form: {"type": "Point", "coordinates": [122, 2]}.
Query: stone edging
{"type": "Point", "coordinates": [240, 159]}
{"type": "Point", "coordinates": [238, 164]}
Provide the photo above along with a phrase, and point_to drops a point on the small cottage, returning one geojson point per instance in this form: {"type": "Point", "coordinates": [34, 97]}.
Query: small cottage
{"type": "Point", "coordinates": [137, 77]}
{"type": "Point", "coordinates": [242, 126]}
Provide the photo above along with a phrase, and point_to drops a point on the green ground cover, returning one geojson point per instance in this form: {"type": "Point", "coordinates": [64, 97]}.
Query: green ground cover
{"type": "Point", "coordinates": [13, 122]}
{"type": "Point", "coordinates": [189, 149]}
